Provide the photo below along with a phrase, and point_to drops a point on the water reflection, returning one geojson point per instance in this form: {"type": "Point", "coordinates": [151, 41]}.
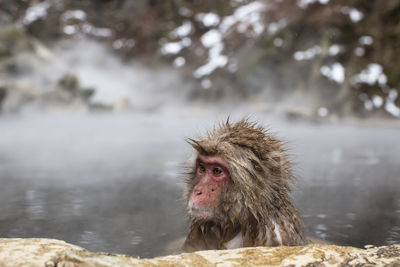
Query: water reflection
{"type": "Point", "coordinates": [132, 217]}
{"type": "Point", "coordinates": [35, 205]}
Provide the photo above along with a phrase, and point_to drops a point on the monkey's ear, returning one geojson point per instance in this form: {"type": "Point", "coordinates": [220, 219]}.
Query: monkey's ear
{"type": "Point", "coordinates": [195, 144]}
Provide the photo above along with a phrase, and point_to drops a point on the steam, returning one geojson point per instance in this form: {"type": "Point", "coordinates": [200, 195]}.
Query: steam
{"type": "Point", "coordinates": [97, 67]}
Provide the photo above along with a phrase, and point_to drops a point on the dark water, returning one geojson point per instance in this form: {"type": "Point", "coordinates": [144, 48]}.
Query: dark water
{"type": "Point", "coordinates": [349, 192]}
{"type": "Point", "coordinates": [113, 183]}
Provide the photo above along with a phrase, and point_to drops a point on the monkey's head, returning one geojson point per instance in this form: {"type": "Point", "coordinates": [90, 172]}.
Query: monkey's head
{"type": "Point", "coordinates": [240, 176]}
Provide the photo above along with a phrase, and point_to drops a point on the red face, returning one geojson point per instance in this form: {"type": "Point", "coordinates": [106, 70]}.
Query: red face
{"type": "Point", "coordinates": [210, 177]}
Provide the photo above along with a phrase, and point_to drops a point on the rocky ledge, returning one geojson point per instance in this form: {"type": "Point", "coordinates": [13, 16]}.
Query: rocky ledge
{"type": "Point", "coordinates": [50, 252]}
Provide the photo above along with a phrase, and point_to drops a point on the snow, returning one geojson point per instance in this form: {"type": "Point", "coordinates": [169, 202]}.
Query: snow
{"type": "Point", "coordinates": [307, 54]}
{"type": "Point", "coordinates": [274, 27]}
{"type": "Point", "coordinates": [209, 19]}
{"type": "Point", "coordinates": [184, 30]}
{"type": "Point", "coordinates": [354, 14]}
{"type": "Point", "coordinates": [215, 60]}
{"type": "Point", "coordinates": [227, 23]}
{"type": "Point", "coordinates": [246, 19]}
{"type": "Point", "coordinates": [246, 16]}
{"type": "Point", "coordinates": [206, 83]}
{"type": "Point", "coordinates": [74, 23]}
{"type": "Point", "coordinates": [73, 14]}
{"type": "Point", "coordinates": [305, 3]}
{"type": "Point", "coordinates": [335, 72]}
{"type": "Point", "coordinates": [377, 101]}
{"type": "Point", "coordinates": [171, 48]}
{"type": "Point", "coordinates": [95, 31]}
{"type": "Point", "coordinates": [242, 13]}
{"type": "Point", "coordinates": [213, 41]}
{"type": "Point", "coordinates": [186, 42]}
{"type": "Point", "coordinates": [36, 12]}
{"type": "Point", "coordinates": [368, 105]}
{"type": "Point", "coordinates": [211, 38]}
{"type": "Point", "coordinates": [70, 29]}
{"type": "Point", "coordinates": [179, 62]}
{"type": "Point", "coordinates": [390, 106]}
{"type": "Point", "coordinates": [334, 49]}
{"type": "Point", "coordinates": [359, 51]}
{"type": "Point", "coordinates": [366, 40]}
{"type": "Point", "coordinates": [371, 75]}
{"type": "Point", "coordinates": [120, 43]}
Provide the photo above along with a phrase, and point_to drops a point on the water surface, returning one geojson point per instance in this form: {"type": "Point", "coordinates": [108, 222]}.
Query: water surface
{"type": "Point", "coordinates": [113, 182]}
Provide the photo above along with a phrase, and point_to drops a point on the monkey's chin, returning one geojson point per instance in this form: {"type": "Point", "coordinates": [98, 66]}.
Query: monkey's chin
{"type": "Point", "coordinates": [200, 213]}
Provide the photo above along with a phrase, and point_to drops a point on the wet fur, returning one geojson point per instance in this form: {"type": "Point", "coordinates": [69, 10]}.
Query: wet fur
{"type": "Point", "coordinates": [255, 208]}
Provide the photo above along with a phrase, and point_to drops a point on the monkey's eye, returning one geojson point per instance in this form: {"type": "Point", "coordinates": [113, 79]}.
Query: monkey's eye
{"type": "Point", "coordinates": [217, 171]}
{"type": "Point", "coordinates": [201, 168]}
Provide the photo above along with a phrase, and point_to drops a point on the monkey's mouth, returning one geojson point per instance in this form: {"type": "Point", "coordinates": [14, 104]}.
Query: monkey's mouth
{"type": "Point", "coordinates": [200, 212]}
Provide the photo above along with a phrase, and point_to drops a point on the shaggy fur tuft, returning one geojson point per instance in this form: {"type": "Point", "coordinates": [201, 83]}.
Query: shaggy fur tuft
{"type": "Point", "coordinates": [256, 203]}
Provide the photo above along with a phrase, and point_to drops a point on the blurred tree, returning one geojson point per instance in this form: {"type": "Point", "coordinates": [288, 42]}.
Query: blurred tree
{"type": "Point", "coordinates": [338, 41]}
{"type": "Point", "coordinates": [342, 55]}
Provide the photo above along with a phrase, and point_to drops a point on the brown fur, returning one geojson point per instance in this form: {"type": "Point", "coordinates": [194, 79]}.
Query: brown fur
{"type": "Point", "coordinates": [257, 194]}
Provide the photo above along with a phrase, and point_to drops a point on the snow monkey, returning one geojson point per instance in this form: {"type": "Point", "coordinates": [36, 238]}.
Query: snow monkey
{"type": "Point", "coordinates": [237, 191]}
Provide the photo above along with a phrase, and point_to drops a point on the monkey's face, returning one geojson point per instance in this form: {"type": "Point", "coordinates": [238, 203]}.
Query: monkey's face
{"type": "Point", "coordinates": [210, 177]}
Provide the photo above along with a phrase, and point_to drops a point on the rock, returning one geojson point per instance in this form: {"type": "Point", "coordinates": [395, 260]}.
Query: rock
{"type": "Point", "coordinates": [122, 105]}
{"type": "Point", "coordinates": [27, 71]}
{"type": "Point", "coordinates": [69, 82]}
{"type": "Point", "coordinates": [3, 93]}
{"type": "Point", "coordinates": [50, 252]}
{"type": "Point", "coordinates": [87, 93]}
{"type": "Point", "coordinates": [297, 113]}
{"type": "Point", "coordinates": [14, 40]}
{"type": "Point", "coordinates": [15, 96]}
{"type": "Point", "coordinates": [100, 107]}
{"type": "Point", "coordinates": [27, 85]}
